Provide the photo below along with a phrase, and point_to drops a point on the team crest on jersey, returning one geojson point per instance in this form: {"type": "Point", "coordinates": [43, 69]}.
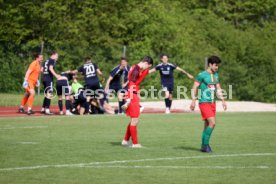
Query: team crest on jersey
{"type": "Point", "coordinates": [168, 68]}
{"type": "Point", "coordinates": [212, 87]}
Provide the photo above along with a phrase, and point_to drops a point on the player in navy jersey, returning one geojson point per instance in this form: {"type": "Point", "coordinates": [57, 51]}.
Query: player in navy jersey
{"type": "Point", "coordinates": [90, 71]}
{"type": "Point", "coordinates": [117, 82]}
{"type": "Point", "coordinates": [63, 89]}
{"type": "Point", "coordinates": [166, 70]}
{"type": "Point", "coordinates": [48, 70]}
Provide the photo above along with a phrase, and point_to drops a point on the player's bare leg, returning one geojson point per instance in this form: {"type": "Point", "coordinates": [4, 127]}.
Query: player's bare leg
{"type": "Point", "coordinates": [82, 111]}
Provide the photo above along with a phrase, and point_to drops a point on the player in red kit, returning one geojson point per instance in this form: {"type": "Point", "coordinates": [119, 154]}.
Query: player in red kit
{"type": "Point", "coordinates": [136, 75]}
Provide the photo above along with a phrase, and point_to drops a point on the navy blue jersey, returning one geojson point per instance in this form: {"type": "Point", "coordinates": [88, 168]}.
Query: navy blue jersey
{"type": "Point", "coordinates": [47, 74]}
{"type": "Point", "coordinates": [89, 71]}
{"type": "Point", "coordinates": [69, 76]}
{"type": "Point", "coordinates": [119, 75]}
{"type": "Point", "coordinates": [166, 73]}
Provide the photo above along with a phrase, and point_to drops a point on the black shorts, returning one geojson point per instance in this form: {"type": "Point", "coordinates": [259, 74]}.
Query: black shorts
{"type": "Point", "coordinates": [168, 87]}
{"type": "Point", "coordinates": [48, 86]}
{"type": "Point", "coordinates": [63, 88]}
{"type": "Point", "coordinates": [95, 89]}
{"type": "Point", "coordinates": [118, 89]}
{"type": "Point", "coordinates": [80, 99]}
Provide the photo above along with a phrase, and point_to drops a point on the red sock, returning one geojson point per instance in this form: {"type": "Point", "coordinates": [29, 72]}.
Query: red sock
{"type": "Point", "coordinates": [24, 100]}
{"type": "Point", "coordinates": [127, 135]}
{"type": "Point", "coordinates": [133, 132]}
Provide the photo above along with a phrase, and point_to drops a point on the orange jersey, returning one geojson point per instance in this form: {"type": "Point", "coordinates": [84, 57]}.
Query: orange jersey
{"type": "Point", "coordinates": [35, 71]}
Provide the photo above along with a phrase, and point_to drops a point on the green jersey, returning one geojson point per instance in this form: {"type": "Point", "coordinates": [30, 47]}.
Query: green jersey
{"type": "Point", "coordinates": [75, 87]}
{"type": "Point", "coordinates": [207, 86]}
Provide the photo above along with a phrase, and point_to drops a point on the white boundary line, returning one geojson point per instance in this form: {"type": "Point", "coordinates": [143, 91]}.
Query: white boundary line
{"type": "Point", "coordinates": [179, 167]}
{"type": "Point", "coordinates": [27, 143]}
{"type": "Point", "coordinates": [26, 127]}
{"type": "Point", "coordinates": [133, 161]}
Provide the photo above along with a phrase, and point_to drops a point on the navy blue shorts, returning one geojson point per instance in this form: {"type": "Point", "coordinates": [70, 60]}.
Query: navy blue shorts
{"type": "Point", "coordinates": [48, 86]}
{"type": "Point", "coordinates": [80, 99]}
{"type": "Point", "coordinates": [63, 88]}
{"type": "Point", "coordinates": [93, 87]}
{"type": "Point", "coordinates": [96, 89]}
{"type": "Point", "coordinates": [167, 87]}
{"type": "Point", "coordinates": [118, 89]}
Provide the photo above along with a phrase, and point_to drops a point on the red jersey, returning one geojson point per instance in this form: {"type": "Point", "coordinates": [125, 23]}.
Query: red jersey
{"type": "Point", "coordinates": [135, 76]}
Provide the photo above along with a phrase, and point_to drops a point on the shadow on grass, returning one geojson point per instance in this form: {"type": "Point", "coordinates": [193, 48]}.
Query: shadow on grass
{"type": "Point", "coordinates": [187, 148]}
{"type": "Point", "coordinates": [115, 143]}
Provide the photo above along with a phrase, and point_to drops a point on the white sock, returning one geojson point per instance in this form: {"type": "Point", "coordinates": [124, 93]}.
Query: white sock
{"type": "Point", "coordinates": [47, 110]}
{"type": "Point", "coordinates": [29, 108]}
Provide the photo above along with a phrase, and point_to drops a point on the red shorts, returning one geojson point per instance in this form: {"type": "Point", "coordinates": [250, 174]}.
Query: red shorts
{"type": "Point", "coordinates": [207, 110]}
{"type": "Point", "coordinates": [133, 109]}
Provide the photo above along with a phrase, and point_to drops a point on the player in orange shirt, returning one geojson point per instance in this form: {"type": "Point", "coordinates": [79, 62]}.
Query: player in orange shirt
{"type": "Point", "coordinates": [30, 81]}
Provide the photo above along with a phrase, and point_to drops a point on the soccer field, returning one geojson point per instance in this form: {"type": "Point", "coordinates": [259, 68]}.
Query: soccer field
{"type": "Point", "coordinates": [87, 150]}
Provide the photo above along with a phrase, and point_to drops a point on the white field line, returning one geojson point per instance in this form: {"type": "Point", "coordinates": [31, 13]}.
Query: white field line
{"type": "Point", "coordinates": [179, 167]}
{"type": "Point", "coordinates": [133, 161]}
{"type": "Point", "coordinates": [27, 142]}
{"type": "Point", "coordinates": [26, 127]}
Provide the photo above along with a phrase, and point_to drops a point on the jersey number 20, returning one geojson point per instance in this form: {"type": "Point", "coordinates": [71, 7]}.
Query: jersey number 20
{"type": "Point", "coordinates": [89, 70]}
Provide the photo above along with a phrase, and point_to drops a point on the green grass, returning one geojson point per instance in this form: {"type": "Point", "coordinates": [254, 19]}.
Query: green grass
{"type": "Point", "coordinates": [74, 140]}
{"type": "Point", "coordinates": [7, 100]}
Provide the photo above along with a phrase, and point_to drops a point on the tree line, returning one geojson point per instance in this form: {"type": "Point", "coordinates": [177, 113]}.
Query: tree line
{"type": "Point", "coordinates": [241, 32]}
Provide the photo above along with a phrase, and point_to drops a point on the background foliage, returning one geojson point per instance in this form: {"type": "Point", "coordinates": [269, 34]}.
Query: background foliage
{"type": "Point", "coordinates": [241, 32]}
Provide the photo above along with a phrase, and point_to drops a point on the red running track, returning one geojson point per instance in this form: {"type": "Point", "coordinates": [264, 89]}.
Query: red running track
{"type": "Point", "coordinates": [12, 111]}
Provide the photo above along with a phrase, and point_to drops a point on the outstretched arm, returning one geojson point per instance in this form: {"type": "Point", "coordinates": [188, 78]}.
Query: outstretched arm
{"type": "Point", "coordinates": [184, 72]}
{"type": "Point", "coordinates": [108, 83]}
{"type": "Point", "coordinates": [152, 70]}
{"type": "Point", "coordinates": [74, 71]}
{"type": "Point", "coordinates": [99, 72]}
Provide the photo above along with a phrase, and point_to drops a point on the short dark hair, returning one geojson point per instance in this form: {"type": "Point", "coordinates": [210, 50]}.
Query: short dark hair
{"type": "Point", "coordinates": [87, 59]}
{"type": "Point", "coordinates": [124, 58]}
{"type": "Point", "coordinates": [148, 59]}
{"type": "Point", "coordinates": [36, 55]}
{"type": "Point", "coordinates": [162, 55]}
{"type": "Point", "coordinates": [53, 53]}
{"type": "Point", "coordinates": [213, 60]}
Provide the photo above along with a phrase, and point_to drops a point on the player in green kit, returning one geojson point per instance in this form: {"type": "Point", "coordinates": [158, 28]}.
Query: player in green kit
{"type": "Point", "coordinates": [208, 83]}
